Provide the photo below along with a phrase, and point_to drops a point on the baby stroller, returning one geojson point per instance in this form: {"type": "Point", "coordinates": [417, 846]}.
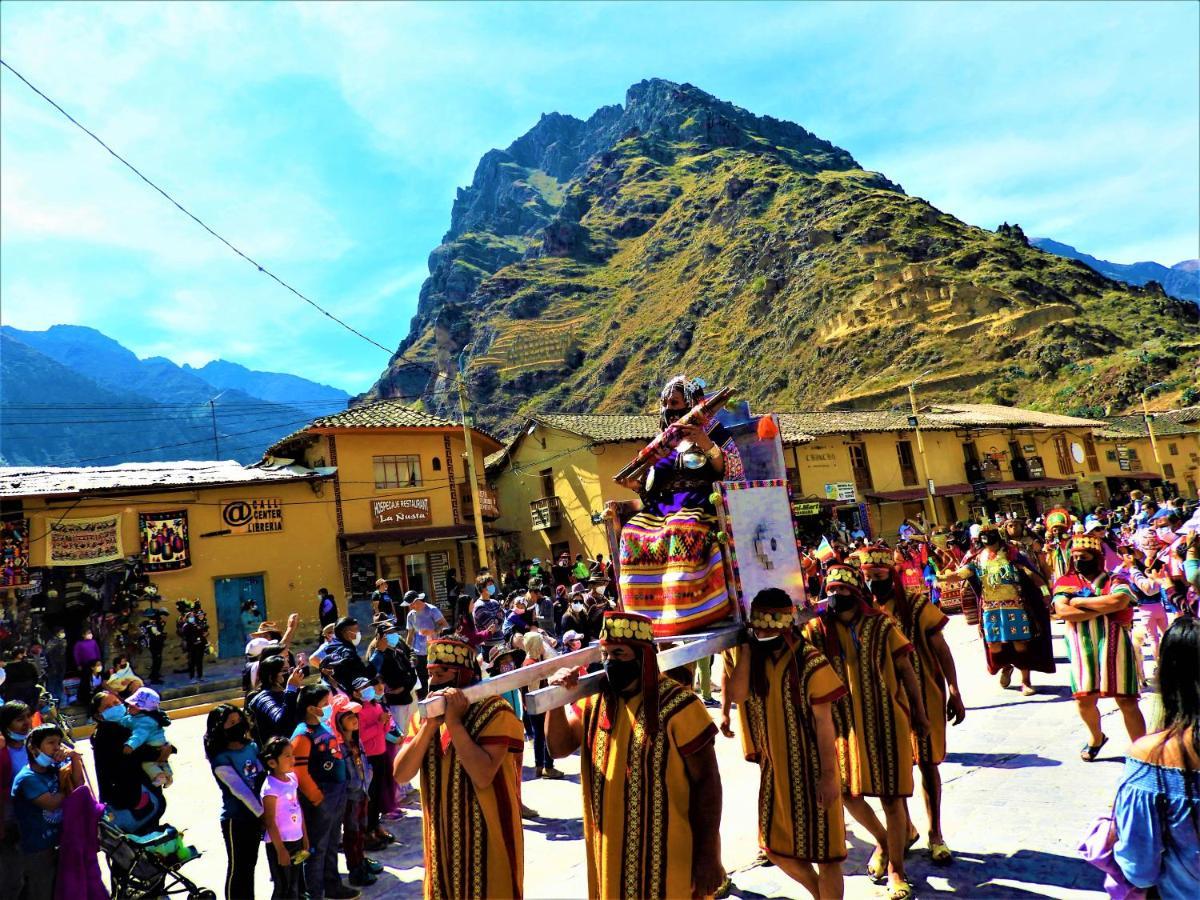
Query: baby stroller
{"type": "Point", "coordinates": [147, 866]}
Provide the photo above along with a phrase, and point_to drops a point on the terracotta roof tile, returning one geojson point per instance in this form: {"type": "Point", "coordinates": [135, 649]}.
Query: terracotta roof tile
{"type": "Point", "coordinates": [1185, 420]}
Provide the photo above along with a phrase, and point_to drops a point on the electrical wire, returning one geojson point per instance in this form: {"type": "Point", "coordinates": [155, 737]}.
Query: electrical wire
{"type": "Point", "coordinates": [391, 353]}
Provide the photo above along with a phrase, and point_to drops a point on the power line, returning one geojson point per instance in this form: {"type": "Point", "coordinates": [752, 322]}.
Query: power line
{"type": "Point", "coordinates": [392, 354]}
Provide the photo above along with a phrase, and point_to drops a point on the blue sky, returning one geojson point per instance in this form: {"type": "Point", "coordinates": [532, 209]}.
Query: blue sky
{"type": "Point", "coordinates": [328, 140]}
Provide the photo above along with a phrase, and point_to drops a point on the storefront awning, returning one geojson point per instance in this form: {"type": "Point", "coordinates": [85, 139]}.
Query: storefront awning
{"type": "Point", "coordinates": [951, 490]}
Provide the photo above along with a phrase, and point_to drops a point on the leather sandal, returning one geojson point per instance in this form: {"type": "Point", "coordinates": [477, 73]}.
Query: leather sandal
{"type": "Point", "coordinates": [939, 853]}
{"type": "Point", "coordinates": [877, 866]}
{"type": "Point", "coordinates": [1089, 753]}
{"type": "Point", "coordinates": [901, 891]}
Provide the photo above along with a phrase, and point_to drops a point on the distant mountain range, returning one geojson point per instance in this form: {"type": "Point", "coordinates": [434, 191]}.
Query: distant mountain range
{"type": "Point", "coordinates": [71, 395]}
{"type": "Point", "coordinates": [1181, 280]}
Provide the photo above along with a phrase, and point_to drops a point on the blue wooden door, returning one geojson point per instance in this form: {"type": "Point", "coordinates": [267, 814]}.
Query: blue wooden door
{"type": "Point", "coordinates": [230, 594]}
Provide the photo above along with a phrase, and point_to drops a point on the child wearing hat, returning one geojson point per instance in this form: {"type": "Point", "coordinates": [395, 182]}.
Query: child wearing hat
{"type": "Point", "coordinates": [147, 725]}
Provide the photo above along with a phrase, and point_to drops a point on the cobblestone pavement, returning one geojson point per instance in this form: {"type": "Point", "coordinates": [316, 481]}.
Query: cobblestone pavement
{"type": "Point", "coordinates": [1017, 801]}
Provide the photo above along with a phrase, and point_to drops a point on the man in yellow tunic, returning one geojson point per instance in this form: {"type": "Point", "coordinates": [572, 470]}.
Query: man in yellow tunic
{"type": "Point", "coordinates": [651, 789]}
{"type": "Point", "coordinates": [785, 689]}
{"type": "Point", "coordinates": [470, 765]}
{"type": "Point", "coordinates": [922, 624]}
{"type": "Point", "coordinates": [875, 720]}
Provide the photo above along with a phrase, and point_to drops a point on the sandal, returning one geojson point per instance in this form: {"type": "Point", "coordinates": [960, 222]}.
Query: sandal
{"type": "Point", "coordinates": [877, 866]}
{"type": "Point", "coordinates": [1089, 753]}
{"type": "Point", "coordinates": [912, 840]}
{"type": "Point", "coordinates": [901, 891]}
{"type": "Point", "coordinates": [939, 853]}
{"type": "Point", "coordinates": [1028, 690]}
{"type": "Point", "coordinates": [1006, 676]}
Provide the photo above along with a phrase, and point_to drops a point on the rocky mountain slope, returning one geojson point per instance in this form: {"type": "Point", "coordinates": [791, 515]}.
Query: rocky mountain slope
{"type": "Point", "coordinates": [72, 395]}
{"type": "Point", "coordinates": [1181, 280]}
{"type": "Point", "coordinates": [592, 259]}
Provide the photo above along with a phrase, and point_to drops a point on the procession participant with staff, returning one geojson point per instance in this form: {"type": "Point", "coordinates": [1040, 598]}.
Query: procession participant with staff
{"type": "Point", "coordinates": [785, 688]}
{"type": "Point", "coordinates": [875, 720]}
{"type": "Point", "coordinates": [470, 766]}
{"type": "Point", "coordinates": [922, 624]}
{"type": "Point", "coordinates": [648, 767]}
{"type": "Point", "coordinates": [670, 564]}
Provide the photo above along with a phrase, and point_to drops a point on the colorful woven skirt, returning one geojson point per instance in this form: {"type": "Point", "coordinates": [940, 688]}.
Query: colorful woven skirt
{"type": "Point", "coordinates": [672, 571]}
{"type": "Point", "coordinates": [1101, 655]}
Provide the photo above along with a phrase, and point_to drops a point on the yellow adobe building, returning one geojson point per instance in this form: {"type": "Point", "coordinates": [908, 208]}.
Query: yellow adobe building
{"type": "Point", "coordinates": [857, 469]}
{"type": "Point", "coordinates": [401, 500]}
{"type": "Point", "coordinates": [216, 532]}
{"type": "Point", "coordinates": [1127, 456]}
{"type": "Point", "coordinates": [553, 480]}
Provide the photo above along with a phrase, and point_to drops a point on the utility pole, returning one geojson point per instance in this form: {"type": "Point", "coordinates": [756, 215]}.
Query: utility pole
{"type": "Point", "coordinates": [930, 505]}
{"type": "Point", "coordinates": [1150, 431]}
{"type": "Point", "coordinates": [212, 408]}
{"type": "Point", "coordinates": [481, 546]}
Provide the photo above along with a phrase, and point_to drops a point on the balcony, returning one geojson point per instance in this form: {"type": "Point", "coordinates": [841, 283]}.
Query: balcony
{"type": "Point", "coordinates": [488, 503]}
{"type": "Point", "coordinates": [991, 470]}
{"type": "Point", "coordinates": [545, 513]}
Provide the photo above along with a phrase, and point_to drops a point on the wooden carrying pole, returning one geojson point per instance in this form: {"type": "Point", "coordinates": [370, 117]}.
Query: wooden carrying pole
{"type": "Point", "coordinates": [691, 648]}
{"type": "Point", "coordinates": [434, 705]}
{"type": "Point", "coordinates": [697, 415]}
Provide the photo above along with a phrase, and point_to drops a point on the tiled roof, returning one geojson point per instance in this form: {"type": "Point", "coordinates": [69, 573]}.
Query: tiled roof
{"type": "Point", "coordinates": [937, 417]}
{"type": "Point", "coordinates": [1172, 421]}
{"type": "Point", "coordinates": [614, 429]}
{"type": "Point", "coordinates": [19, 481]}
{"type": "Point", "coordinates": [381, 414]}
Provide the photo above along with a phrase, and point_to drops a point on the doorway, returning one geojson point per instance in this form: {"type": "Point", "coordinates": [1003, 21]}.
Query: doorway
{"type": "Point", "coordinates": [231, 593]}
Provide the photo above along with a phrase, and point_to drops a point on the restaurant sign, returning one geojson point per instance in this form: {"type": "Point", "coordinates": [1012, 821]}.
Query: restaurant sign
{"type": "Point", "coordinates": [401, 512]}
{"type": "Point", "coordinates": [806, 509]}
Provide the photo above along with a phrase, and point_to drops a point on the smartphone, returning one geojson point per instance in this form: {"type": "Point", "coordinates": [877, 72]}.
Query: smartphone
{"type": "Point", "coordinates": [299, 857]}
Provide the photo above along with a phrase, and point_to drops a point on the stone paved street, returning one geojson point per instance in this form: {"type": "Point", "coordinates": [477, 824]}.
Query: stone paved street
{"type": "Point", "coordinates": [1017, 801]}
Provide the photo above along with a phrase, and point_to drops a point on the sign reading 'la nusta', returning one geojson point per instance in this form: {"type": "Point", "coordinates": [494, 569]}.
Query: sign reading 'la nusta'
{"type": "Point", "coordinates": [401, 512]}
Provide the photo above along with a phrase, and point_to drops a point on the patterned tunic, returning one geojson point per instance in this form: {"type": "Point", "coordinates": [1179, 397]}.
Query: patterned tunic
{"type": "Point", "coordinates": [636, 793]}
{"type": "Point", "coordinates": [474, 846]}
{"type": "Point", "coordinates": [920, 624]}
{"type": "Point", "coordinates": [874, 736]}
{"type": "Point", "coordinates": [783, 741]}
{"type": "Point", "coordinates": [1100, 649]}
{"type": "Point", "coordinates": [1004, 617]}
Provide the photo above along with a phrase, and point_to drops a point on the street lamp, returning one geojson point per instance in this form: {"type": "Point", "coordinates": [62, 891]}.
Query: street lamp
{"type": "Point", "coordinates": [916, 424]}
{"type": "Point", "coordinates": [1150, 431]}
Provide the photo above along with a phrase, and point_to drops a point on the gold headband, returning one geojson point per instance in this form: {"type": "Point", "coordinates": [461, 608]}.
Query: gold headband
{"type": "Point", "coordinates": [842, 575]}
{"type": "Point", "coordinates": [451, 653]}
{"type": "Point", "coordinates": [1086, 542]}
{"type": "Point", "coordinates": [874, 556]}
{"type": "Point", "coordinates": [772, 619]}
{"type": "Point", "coordinates": [623, 628]}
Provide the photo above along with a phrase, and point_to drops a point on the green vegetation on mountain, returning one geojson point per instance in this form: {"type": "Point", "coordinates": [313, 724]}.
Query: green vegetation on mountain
{"type": "Point", "coordinates": [680, 233]}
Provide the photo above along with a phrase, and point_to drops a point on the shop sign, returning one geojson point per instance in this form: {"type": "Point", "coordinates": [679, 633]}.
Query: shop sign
{"type": "Point", "coordinates": [401, 512]}
{"type": "Point", "coordinates": [840, 490]}
{"type": "Point", "coordinates": [1007, 492]}
{"type": "Point", "coordinates": [1124, 465]}
{"type": "Point", "coordinates": [1029, 448]}
{"type": "Point", "coordinates": [806, 509]}
{"type": "Point", "coordinates": [256, 516]}
{"type": "Point", "coordinates": [979, 490]}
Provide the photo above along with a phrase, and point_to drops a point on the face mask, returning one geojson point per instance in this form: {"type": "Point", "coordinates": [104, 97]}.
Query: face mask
{"type": "Point", "coordinates": [1088, 568]}
{"type": "Point", "coordinates": [442, 685]}
{"type": "Point", "coordinates": [393, 640]}
{"type": "Point", "coordinates": [368, 693]}
{"type": "Point", "coordinates": [113, 714]}
{"type": "Point", "coordinates": [17, 738]}
{"type": "Point", "coordinates": [841, 603]}
{"type": "Point", "coordinates": [577, 607]}
{"type": "Point", "coordinates": [46, 762]}
{"type": "Point", "coordinates": [326, 715]}
{"type": "Point", "coordinates": [491, 590]}
{"type": "Point", "coordinates": [880, 588]}
{"type": "Point", "coordinates": [621, 673]}
{"type": "Point", "coordinates": [235, 733]}
{"type": "Point", "coordinates": [357, 639]}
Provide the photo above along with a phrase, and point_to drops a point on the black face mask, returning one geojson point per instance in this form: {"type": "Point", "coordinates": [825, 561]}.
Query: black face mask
{"type": "Point", "coordinates": [442, 685]}
{"type": "Point", "coordinates": [880, 588]}
{"type": "Point", "coordinates": [235, 733]}
{"type": "Point", "coordinates": [621, 673]}
{"type": "Point", "coordinates": [1088, 568]}
{"type": "Point", "coordinates": [841, 603]}
{"type": "Point", "coordinates": [770, 645]}
{"type": "Point", "coordinates": [990, 540]}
